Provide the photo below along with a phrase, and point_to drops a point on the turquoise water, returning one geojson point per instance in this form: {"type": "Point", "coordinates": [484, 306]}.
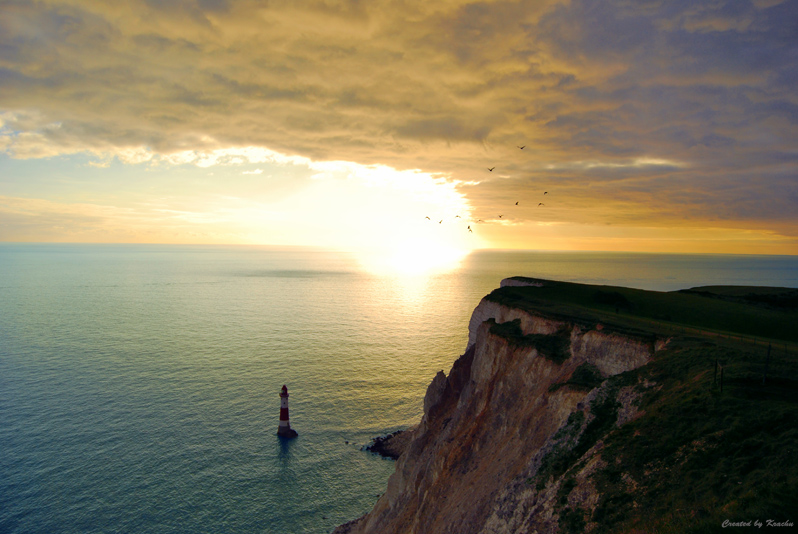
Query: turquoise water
{"type": "Point", "coordinates": [139, 384]}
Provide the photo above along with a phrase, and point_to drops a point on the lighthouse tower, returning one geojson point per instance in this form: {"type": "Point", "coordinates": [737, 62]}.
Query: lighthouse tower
{"type": "Point", "coordinates": [284, 428]}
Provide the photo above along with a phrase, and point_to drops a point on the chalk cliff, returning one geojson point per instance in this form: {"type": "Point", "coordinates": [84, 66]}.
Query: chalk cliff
{"type": "Point", "coordinates": [528, 402]}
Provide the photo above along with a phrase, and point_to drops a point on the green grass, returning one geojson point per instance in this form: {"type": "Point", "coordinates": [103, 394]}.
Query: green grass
{"type": "Point", "coordinates": [572, 520]}
{"type": "Point", "coordinates": [575, 441]}
{"type": "Point", "coordinates": [743, 310]}
{"type": "Point", "coordinates": [777, 298]}
{"type": "Point", "coordinates": [701, 453]}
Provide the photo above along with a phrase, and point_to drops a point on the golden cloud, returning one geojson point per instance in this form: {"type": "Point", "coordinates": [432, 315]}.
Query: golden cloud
{"type": "Point", "coordinates": [631, 113]}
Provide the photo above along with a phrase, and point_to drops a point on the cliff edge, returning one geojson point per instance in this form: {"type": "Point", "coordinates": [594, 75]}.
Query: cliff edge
{"type": "Point", "coordinates": [531, 429]}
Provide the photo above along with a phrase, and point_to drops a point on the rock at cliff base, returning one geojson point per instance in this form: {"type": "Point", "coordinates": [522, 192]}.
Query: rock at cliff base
{"type": "Point", "coordinates": [346, 528]}
{"type": "Point", "coordinates": [391, 446]}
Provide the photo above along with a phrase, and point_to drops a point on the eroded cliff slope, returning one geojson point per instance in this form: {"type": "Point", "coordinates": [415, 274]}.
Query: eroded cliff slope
{"type": "Point", "coordinates": [513, 439]}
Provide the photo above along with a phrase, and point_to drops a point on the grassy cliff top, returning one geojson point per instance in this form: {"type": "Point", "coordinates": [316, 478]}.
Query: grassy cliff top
{"type": "Point", "coordinates": [769, 313]}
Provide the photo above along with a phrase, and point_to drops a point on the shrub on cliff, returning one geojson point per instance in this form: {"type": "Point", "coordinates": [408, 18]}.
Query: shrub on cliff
{"type": "Point", "coordinates": [555, 347]}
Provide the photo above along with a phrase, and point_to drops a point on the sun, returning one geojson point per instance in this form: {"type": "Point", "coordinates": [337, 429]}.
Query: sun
{"type": "Point", "coordinates": [421, 256]}
{"type": "Point", "coordinates": [397, 221]}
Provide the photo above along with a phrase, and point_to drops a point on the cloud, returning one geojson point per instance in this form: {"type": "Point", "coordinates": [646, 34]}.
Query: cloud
{"type": "Point", "coordinates": [632, 111]}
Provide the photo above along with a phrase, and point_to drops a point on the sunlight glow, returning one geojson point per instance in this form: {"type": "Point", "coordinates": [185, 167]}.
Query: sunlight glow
{"type": "Point", "coordinates": [412, 258]}
{"type": "Point", "coordinates": [400, 222]}
{"type": "Point", "coordinates": [409, 221]}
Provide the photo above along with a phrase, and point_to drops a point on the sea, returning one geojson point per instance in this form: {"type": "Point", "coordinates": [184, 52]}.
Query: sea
{"type": "Point", "coordinates": [139, 384]}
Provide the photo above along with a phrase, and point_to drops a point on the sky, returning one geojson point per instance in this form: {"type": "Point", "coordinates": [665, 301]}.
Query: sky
{"type": "Point", "coordinates": [656, 126]}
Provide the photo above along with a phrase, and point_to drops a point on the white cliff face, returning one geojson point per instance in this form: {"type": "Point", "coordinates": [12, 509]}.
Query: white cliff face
{"type": "Point", "coordinates": [511, 282]}
{"type": "Point", "coordinates": [489, 425]}
{"type": "Point", "coordinates": [502, 314]}
{"type": "Point", "coordinates": [611, 353]}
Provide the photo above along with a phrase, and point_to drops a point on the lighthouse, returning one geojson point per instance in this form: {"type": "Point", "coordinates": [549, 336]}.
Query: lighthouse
{"type": "Point", "coordinates": [284, 428]}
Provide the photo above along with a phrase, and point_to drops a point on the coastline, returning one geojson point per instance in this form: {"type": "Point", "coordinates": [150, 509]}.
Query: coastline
{"type": "Point", "coordinates": [391, 445]}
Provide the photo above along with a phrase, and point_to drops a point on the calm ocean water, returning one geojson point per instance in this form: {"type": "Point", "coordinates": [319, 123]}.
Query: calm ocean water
{"type": "Point", "coordinates": [139, 384]}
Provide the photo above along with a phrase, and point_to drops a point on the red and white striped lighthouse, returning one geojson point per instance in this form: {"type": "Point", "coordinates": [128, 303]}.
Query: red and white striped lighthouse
{"type": "Point", "coordinates": [284, 428]}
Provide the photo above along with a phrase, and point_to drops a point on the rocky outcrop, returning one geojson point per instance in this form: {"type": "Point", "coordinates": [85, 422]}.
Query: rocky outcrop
{"type": "Point", "coordinates": [393, 445]}
{"type": "Point", "coordinates": [497, 446]}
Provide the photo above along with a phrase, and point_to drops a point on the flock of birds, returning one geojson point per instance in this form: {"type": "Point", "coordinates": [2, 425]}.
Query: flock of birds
{"type": "Point", "coordinates": [490, 169]}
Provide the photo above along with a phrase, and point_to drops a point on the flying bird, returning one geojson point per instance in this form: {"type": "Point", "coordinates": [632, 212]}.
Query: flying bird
{"type": "Point", "coordinates": [470, 230]}
{"type": "Point", "coordinates": [457, 217]}
{"type": "Point", "coordinates": [516, 203]}
{"type": "Point", "coordinates": [545, 192]}
{"type": "Point", "coordinates": [439, 222]}
{"type": "Point", "coordinates": [522, 147]}
{"type": "Point", "coordinates": [500, 216]}
{"type": "Point", "coordinates": [491, 169]}
{"type": "Point", "coordinates": [541, 204]}
{"type": "Point", "coordinates": [428, 218]}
